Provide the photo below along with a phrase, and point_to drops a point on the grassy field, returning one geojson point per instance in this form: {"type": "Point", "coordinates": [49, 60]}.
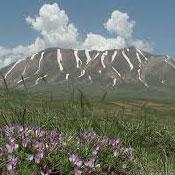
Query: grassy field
{"type": "Point", "coordinates": [147, 126]}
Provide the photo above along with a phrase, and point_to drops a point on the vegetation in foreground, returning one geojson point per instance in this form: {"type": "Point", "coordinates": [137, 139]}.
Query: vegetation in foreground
{"type": "Point", "coordinates": [29, 150]}
{"type": "Point", "coordinates": [133, 136]}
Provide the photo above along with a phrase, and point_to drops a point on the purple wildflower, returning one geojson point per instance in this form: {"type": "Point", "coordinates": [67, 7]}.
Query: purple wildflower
{"type": "Point", "coordinates": [11, 146]}
{"type": "Point", "coordinates": [25, 141]}
{"type": "Point", "coordinates": [6, 131]}
{"type": "Point", "coordinates": [39, 145]}
{"type": "Point", "coordinates": [40, 133]}
{"type": "Point", "coordinates": [38, 157]}
{"type": "Point", "coordinates": [46, 171]}
{"type": "Point", "coordinates": [18, 129]}
{"type": "Point", "coordinates": [97, 149]}
{"type": "Point", "coordinates": [53, 136]}
{"type": "Point", "coordinates": [88, 136]}
{"type": "Point", "coordinates": [114, 142]}
{"type": "Point", "coordinates": [75, 160]}
{"type": "Point", "coordinates": [72, 158]}
{"type": "Point", "coordinates": [11, 165]}
{"type": "Point", "coordinates": [90, 163]}
{"type": "Point", "coordinates": [1, 152]}
{"type": "Point", "coordinates": [30, 157]}
{"type": "Point", "coordinates": [77, 171]}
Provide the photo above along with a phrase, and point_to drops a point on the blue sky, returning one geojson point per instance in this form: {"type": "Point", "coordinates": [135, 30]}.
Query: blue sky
{"type": "Point", "coordinates": [154, 20]}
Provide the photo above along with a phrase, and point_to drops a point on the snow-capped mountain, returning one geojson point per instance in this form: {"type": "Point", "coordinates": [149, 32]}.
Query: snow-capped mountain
{"type": "Point", "coordinates": [110, 68]}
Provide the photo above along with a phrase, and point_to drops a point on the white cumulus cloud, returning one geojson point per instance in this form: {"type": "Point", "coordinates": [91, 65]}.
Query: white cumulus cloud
{"type": "Point", "coordinates": [120, 24]}
{"type": "Point", "coordinates": [55, 30]}
{"type": "Point", "coordinates": [53, 24]}
{"type": "Point", "coordinates": [8, 55]}
{"type": "Point", "coordinates": [98, 42]}
{"type": "Point", "coordinates": [122, 27]}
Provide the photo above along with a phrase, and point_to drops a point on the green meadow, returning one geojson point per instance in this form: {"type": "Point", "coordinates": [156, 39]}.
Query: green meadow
{"type": "Point", "coordinates": [148, 126]}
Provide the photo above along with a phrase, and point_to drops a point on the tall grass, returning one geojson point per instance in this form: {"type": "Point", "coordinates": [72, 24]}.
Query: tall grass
{"type": "Point", "coordinates": [138, 125]}
{"type": "Point", "coordinates": [4, 81]}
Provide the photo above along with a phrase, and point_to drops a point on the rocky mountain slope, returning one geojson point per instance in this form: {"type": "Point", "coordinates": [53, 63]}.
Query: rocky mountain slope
{"type": "Point", "coordinates": [110, 68]}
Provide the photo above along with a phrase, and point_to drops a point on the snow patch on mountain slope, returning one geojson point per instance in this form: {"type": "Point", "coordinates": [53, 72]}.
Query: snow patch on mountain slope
{"type": "Point", "coordinates": [59, 59]}
{"type": "Point", "coordinates": [39, 66]}
{"type": "Point", "coordinates": [128, 60]}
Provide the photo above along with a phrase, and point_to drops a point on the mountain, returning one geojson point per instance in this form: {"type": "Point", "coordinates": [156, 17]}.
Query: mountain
{"type": "Point", "coordinates": [118, 69]}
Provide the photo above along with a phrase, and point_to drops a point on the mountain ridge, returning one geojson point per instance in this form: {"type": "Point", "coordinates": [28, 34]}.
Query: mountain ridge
{"type": "Point", "coordinates": [55, 66]}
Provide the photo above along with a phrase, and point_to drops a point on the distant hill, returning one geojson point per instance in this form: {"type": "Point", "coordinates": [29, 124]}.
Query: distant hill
{"type": "Point", "coordinates": [122, 71]}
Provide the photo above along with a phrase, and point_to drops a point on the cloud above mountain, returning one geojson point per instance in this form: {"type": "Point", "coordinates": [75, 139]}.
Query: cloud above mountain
{"type": "Point", "coordinates": [120, 24]}
{"type": "Point", "coordinates": [55, 30]}
{"type": "Point", "coordinates": [122, 27]}
{"type": "Point", "coordinates": [53, 24]}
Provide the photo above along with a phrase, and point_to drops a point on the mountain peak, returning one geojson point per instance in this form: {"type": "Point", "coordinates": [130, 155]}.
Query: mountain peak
{"type": "Point", "coordinates": [109, 68]}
